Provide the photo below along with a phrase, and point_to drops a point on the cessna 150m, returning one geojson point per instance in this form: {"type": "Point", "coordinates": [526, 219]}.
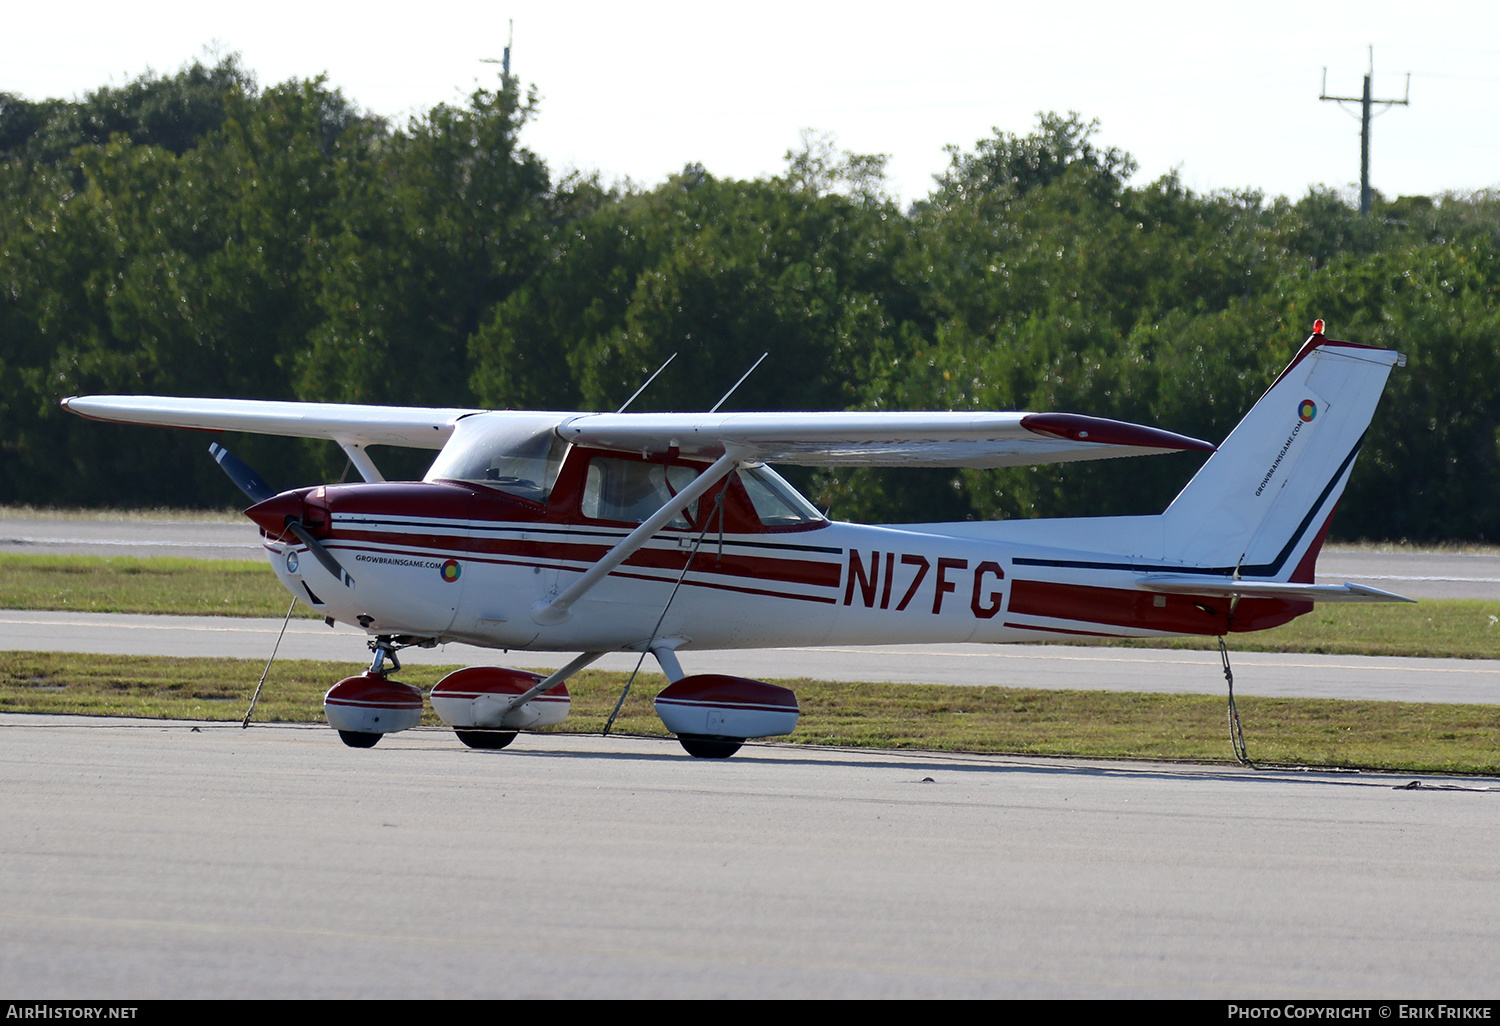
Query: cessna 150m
{"type": "Point", "coordinates": [572, 531]}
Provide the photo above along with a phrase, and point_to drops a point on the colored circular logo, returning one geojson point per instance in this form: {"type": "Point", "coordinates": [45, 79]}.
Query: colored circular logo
{"type": "Point", "coordinates": [451, 570]}
{"type": "Point", "coordinates": [1308, 410]}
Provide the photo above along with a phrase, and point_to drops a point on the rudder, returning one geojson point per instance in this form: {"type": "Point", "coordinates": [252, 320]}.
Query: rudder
{"type": "Point", "coordinates": [1262, 502]}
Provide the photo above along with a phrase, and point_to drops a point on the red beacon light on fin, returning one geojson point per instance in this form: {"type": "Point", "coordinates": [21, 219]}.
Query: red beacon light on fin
{"type": "Point", "coordinates": [1318, 326]}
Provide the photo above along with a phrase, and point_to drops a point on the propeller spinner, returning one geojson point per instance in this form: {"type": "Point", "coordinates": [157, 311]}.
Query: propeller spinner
{"type": "Point", "coordinates": [255, 487]}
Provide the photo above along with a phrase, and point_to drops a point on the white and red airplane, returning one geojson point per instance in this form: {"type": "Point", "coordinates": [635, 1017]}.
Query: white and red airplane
{"type": "Point", "coordinates": [576, 532]}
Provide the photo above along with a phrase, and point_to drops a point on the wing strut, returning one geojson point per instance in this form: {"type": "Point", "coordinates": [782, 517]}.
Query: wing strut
{"type": "Point", "coordinates": [361, 460]}
{"type": "Point", "coordinates": [558, 609]}
{"type": "Point", "coordinates": [549, 682]}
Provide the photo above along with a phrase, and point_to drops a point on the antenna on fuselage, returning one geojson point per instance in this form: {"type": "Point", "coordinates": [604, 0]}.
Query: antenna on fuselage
{"type": "Point", "coordinates": [648, 381]}
{"type": "Point", "coordinates": [740, 382]}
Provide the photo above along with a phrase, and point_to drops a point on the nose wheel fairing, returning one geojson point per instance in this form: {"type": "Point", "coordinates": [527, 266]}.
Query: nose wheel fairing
{"type": "Point", "coordinates": [369, 706]}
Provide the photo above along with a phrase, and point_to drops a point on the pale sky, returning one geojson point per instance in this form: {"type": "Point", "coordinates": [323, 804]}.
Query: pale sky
{"type": "Point", "coordinates": [1227, 96]}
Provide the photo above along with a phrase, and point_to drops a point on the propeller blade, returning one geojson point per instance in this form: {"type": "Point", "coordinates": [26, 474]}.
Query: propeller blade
{"type": "Point", "coordinates": [314, 546]}
{"type": "Point", "coordinates": [253, 485]}
{"type": "Point", "coordinates": [240, 473]}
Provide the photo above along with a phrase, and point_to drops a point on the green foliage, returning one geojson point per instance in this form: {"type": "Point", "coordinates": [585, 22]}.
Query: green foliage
{"type": "Point", "coordinates": [1010, 165]}
{"type": "Point", "coordinates": [716, 271]}
{"type": "Point", "coordinates": [196, 234]}
{"type": "Point", "coordinates": [436, 226]}
{"type": "Point", "coordinates": [173, 114]}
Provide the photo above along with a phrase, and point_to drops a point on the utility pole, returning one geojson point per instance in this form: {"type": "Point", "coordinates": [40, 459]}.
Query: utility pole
{"type": "Point", "coordinates": [510, 38]}
{"type": "Point", "coordinates": [1365, 103]}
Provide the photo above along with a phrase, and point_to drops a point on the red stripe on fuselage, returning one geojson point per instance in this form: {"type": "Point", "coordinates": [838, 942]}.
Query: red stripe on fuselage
{"type": "Point", "coordinates": [529, 563]}
{"type": "Point", "coordinates": [1124, 607]}
{"type": "Point", "coordinates": [1119, 607]}
{"type": "Point", "coordinates": [731, 587]}
{"type": "Point", "coordinates": [1065, 630]}
{"type": "Point", "coordinates": [813, 573]}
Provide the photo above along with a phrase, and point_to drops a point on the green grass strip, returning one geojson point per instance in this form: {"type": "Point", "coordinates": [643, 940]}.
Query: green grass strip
{"type": "Point", "coordinates": [124, 584]}
{"type": "Point", "coordinates": [1402, 736]}
{"type": "Point", "coordinates": [1431, 629]}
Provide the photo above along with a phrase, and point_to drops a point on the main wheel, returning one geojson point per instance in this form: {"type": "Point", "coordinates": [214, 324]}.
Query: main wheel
{"type": "Point", "coordinates": [491, 739]}
{"type": "Point", "coordinates": [359, 739]}
{"type": "Point", "coordinates": [704, 746]}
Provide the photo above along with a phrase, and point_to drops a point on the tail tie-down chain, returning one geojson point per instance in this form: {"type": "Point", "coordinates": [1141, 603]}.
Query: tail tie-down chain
{"type": "Point", "coordinates": [1236, 735]}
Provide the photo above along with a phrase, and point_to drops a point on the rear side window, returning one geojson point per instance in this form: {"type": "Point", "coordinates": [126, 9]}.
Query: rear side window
{"type": "Point", "coordinates": [631, 491]}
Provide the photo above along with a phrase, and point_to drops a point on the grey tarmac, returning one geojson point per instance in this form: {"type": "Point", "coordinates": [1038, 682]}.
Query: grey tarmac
{"type": "Point", "coordinates": [147, 859]}
{"type": "Point", "coordinates": [189, 539]}
{"type": "Point", "coordinates": [151, 860]}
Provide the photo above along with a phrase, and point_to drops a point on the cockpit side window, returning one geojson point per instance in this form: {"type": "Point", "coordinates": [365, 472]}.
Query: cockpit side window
{"type": "Point", "coordinates": [519, 456]}
{"type": "Point", "coordinates": [632, 490]}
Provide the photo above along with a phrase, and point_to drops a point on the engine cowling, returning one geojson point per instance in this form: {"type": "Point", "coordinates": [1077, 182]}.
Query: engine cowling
{"type": "Point", "coordinates": [372, 704]}
{"type": "Point", "coordinates": [713, 705]}
{"type": "Point", "coordinates": [477, 697]}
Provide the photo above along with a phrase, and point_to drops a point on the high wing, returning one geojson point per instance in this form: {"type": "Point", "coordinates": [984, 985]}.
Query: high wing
{"type": "Point", "coordinates": [878, 439]}
{"type": "Point", "coordinates": [412, 426]}
{"type": "Point", "coordinates": [807, 439]}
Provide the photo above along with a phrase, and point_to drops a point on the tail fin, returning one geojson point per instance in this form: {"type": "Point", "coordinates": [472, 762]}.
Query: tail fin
{"type": "Point", "coordinates": [1262, 503]}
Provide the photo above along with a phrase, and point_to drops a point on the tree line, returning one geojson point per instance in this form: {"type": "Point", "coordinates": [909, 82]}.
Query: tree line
{"type": "Point", "coordinates": [196, 234]}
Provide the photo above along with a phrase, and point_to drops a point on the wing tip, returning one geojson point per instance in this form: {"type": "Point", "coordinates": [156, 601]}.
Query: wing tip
{"type": "Point", "coordinates": [1103, 431]}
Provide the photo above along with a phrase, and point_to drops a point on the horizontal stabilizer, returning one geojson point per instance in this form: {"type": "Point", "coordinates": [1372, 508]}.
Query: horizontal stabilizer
{"type": "Point", "coordinates": [1191, 584]}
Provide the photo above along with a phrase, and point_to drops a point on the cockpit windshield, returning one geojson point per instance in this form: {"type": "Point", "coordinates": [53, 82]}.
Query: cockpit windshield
{"type": "Point", "coordinates": [516, 453]}
{"type": "Point", "coordinates": [777, 503]}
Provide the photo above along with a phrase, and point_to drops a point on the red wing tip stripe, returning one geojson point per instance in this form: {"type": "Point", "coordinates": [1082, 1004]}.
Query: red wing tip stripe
{"type": "Point", "coordinates": [1102, 431]}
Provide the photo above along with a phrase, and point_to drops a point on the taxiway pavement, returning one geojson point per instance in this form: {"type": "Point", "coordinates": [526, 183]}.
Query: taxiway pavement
{"type": "Point", "coordinates": [155, 860]}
